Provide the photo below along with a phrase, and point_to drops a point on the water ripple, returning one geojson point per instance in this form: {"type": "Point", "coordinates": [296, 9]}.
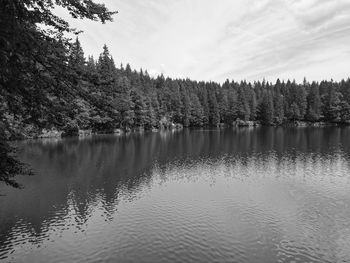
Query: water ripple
{"type": "Point", "coordinates": [246, 198]}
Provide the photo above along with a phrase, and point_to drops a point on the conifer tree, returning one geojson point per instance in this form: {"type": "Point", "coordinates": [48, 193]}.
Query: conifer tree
{"type": "Point", "coordinates": [139, 108]}
{"type": "Point", "coordinates": [313, 103]}
{"type": "Point", "coordinates": [214, 116]}
{"type": "Point", "coordinates": [203, 97]}
{"type": "Point", "coordinates": [186, 107]}
{"type": "Point", "coordinates": [197, 114]}
{"type": "Point", "coordinates": [76, 59]}
{"type": "Point", "coordinates": [106, 70]}
{"type": "Point", "coordinates": [122, 103]}
{"type": "Point", "coordinates": [150, 120]}
{"type": "Point", "coordinates": [301, 99]}
{"type": "Point", "coordinates": [222, 105]}
{"type": "Point", "coordinates": [278, 102]}
{"type": "Point", "coordinates": [331, 102]}
{"type": "Point", "coordinates": [266, 111]}
{"type": "Point", "coordinates": [243, 110]}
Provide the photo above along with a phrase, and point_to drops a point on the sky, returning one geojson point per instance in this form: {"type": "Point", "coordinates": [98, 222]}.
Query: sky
{"type": "Point", "coordinates": [226, 39]}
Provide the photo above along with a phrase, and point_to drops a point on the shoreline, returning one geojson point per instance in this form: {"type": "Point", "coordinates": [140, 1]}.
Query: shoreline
{"type": "Point", "coordinates": [59, 134]}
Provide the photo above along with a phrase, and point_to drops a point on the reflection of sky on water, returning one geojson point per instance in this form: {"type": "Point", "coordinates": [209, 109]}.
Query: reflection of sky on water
{"type": "Point", "coordinates": [279, 188]}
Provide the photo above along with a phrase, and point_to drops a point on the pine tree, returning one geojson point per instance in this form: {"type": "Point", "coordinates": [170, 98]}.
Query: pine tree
{"type": "Point", "coordinates": [278, 102]}
{"type": "Point", "coordinates": [203, 97]}
{"type": "Point", "coordinates": [91, 73]}
{"type": "Point", "coordinates": [174, 100]}
{"type": "Point", "coordinates": [197, 114]}
{"type": "Point", "coordinates": [252, 105]}
{"type": "Point", "coordinates": [222, 105]}
{"type": "Point", "coordinates": [331, 102]}
{"type": "Point", "coordinates": [297, 99]}
{"type": "Point", "coordinates": [214, 116]}
{"type": "Point", "coordinates": [186, 108]}
{"type": "Point", "coordinates": [106, 70]}
{"type": "Point", "coordinates": [139, 108]}
{"type": "Point", "coordinates": [266, 110]}
{"type": "Point", "coordinates": [301, 99]}
{"type": "Point", "coordinates": [313, 103]}
{"type": "Point", "coordinates": [150, 116]}
{"type": "Point", "coordinates": [294, 112]}
{"type": "Point", "coordinates": [122, 103]}
{"type": "Point", "coordinates": [76, 59]}
{"type": "Point", "coordinates": [243, 110]}
{"type": "Point", "coordinates": [232, 106]}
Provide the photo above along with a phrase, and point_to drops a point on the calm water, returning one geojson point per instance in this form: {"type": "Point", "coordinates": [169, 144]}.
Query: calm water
{"type": "Point", "coordinates": [234, 195]}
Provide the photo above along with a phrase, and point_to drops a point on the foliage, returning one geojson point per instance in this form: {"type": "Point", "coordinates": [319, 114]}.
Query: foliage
{"type": "Point", "coordinates": [40, 69]}
{"type": "Point", "coordinates": [9, 165]}
{"type": "Point", "coordinates": [71, 129]}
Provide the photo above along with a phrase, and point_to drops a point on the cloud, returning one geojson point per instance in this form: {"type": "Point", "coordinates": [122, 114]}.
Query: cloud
{"type": "Point", "coordinates": [315, 13]}
{"type": "Point", "coordinates": [243, 39]}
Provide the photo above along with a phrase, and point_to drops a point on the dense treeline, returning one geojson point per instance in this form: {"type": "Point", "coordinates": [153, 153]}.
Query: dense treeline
{"type": "Point", "coordinates": [108, 97]}
{"type": "Point", "coordinates": [103, 97]}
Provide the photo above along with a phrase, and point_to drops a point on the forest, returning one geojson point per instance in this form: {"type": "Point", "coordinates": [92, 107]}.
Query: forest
{"type": "Point", "coordinates": [46, 81]}
{"type": "Point", "coordinates": [125, 98]}
{"type": "Point", "coordinates": [103, 97]}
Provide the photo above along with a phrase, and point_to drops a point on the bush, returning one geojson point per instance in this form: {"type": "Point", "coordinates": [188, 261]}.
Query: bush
{"type": "Point", "coordinates": [9, 165]}
{"type": "Point", "coordinates": [71, 129]}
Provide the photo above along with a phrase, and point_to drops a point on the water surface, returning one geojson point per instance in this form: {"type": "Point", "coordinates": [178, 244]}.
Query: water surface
{"type": "Point", "coordinates": [233, 195]}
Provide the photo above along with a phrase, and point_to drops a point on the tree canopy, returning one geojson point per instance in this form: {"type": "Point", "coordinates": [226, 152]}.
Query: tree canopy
{"type": "Point", "coordinates": [34, 68]}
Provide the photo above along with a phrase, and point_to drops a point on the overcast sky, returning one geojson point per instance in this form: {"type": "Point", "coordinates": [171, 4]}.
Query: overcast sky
{"type": "Point", "coordinates": [234, 39]}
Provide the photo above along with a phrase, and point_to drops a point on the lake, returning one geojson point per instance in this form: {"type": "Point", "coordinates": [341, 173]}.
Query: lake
{"type": "Point", "coordinates": [230, 195]}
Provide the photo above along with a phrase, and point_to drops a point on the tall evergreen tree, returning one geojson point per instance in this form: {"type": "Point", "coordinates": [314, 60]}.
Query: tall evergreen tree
{"type": "Point", "coordinates": [186, 107]}
{"type": "Point", "coordinates": [203, 97]}
{"type": "Point", "coordinates": [76, 59]}
{"type": "Point", "coordinates": [139, 108]}
{"type": "Point", "coordinates": [150, 120]}
{"type": "Point", "coordinates": [301, 99]}
{"type": "Point", "coordinates": [313, 103]}
{"type": "Point", "coordinates": [278, 102]}
{"type": "Point", "coordinates": [266, 110]}
{"type": "Point", "coordinates": [331, 102]}
{"type": "Point", "coordinates": [214, 115]}
{"type": "Point", "coordinates": [222, 105]}
{"type": "Point", "coordinates": [232, 106]}
{"type": "Point", "coordinates": [243, 111]}
{"type": "Point", "coordinates": [106, 70]}
{"type": "Point", "coordinates": [197, 114]}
